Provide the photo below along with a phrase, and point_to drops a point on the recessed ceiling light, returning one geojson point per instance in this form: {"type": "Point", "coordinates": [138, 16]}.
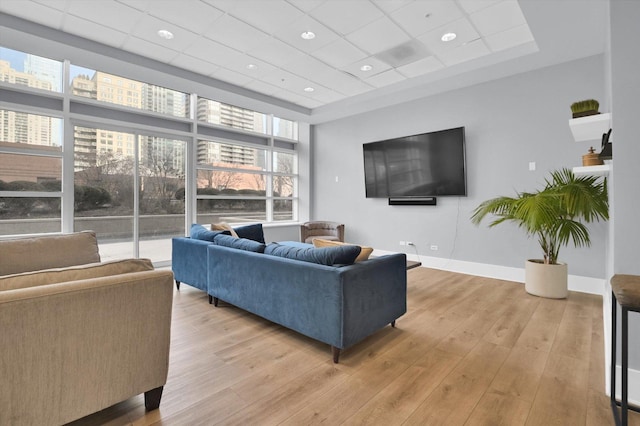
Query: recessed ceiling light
{"type": "Point", "coordinates": [165, 34]}
{"type": "Point", "coordinates": [366, 67]}
{"type": "Point", "coordinates": [309, 89]}
{"type": "Point", "coordinates": [448, 36]}
{"type": "Point", "coordinates": [252, 67]}
{"type": "Point", "coordinates": [308, 35]}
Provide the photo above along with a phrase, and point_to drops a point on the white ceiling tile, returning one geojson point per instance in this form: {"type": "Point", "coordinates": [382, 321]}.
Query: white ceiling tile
{"type": "Point", "coordinates": [142, 5]}
{"type": "Point", "coordinates": [148, 27]}
{"type": "Point", "coordinates": [149, 50]}
{"type": "Point", "coordinates": [240, 64]}
{"type": "Point", "coordinates": [295, 98]}
{"type": "Point", "coordinates": [196, 65]}
{"type": "Point", "coordinates": [230, 76]}
{"type": "Point", "coordinates": [269, 16]}
{"type": "Point", "coordinates": [107, 13]}
{"type": "Point", "coordinates": [463, 29]}
{"type": "Point", "coordinates": [323, 94]}
{"type": "Point", "coordinates": [346, 16]}
{"type": "Point", "coordinates": [378, 67]}
{"type": "Point", "coordinates": [378, 36]}
{"type": "Point", "coordinates": [275, 52]}
{"type": "Point", "coordinates": [421, 16]}
{"type": "Point", "coordinates": [306, 5]}
{"type": "Point", "coordinates": [55, 4]}
{"type": "Point", "coordinates": [205, 48]}
{"type": "Point", "coordinates": [347, 84]}
{"type": "Point", "coordinates": [190, 14]}
{"type": "Point", "coordinates": [225, 5]}
{"type": "Point", "coordinates": [464, 53]}
{"type": "Point", "coordinates": [470, 6]}
{"type": "Point", "coordinates": [33, 12]}
{"type": "Point", "coordinates": [339, 53]}
{"type": "Point", "coordinates": [262, 87]}
{"type": "Point", "coordinates": [421, 67]}
{"type": "Point", "coordinates": [285, 80]}
{"type": "Point", "coordinates": [391, 5]}
{"type": "Point", "coordinates": [509, 38]}
{"type": "Point", "coordinates": [290, 34]}
{"type": "Point", "coordinates": [93, 31]}
{"type": "Point", "coordinates": [236, 34]}
{"type": "Point", "coordinates": [307, 67]}
{"type": "Point", "coordinates": [385, 78]}
{"type": "Point", "coordinates": [497, 18]}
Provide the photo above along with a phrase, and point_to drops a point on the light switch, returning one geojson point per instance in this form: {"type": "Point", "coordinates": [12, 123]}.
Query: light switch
{"type": "Point", "coordinates": [532, 166]}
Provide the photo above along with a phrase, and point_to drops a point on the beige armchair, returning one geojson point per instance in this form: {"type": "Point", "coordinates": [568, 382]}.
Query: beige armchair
{"type": "Point", "coordinates": [333, 231]}
{"type": "Point", "coordinates": [79, 338]}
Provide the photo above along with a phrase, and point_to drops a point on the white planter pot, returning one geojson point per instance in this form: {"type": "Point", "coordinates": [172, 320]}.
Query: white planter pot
{"type": "Point", "coordinates": [546, 280]}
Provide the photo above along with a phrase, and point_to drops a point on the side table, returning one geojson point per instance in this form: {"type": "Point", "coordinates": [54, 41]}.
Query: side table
{"type": "Point", "coordinates": [625, 290]}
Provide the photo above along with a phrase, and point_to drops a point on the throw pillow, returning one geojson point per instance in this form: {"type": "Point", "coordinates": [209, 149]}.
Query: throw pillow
{"type": "Point", "coordinates": [365, 251]}
{"type": "Point", "coordinates": [223, 226]}
{"type": "Point", "coordinates": [252, 232]}
{"type": "Point", "coordinates": [330, 256]}
{"type": "Point", "coordinates": [239, 243]}
{"type": "Point", "coordinates": [199, 232]}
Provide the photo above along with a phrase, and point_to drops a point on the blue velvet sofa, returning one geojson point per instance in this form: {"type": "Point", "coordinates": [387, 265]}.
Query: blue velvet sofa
{"type": "Point", "coordinates": [318, 292]}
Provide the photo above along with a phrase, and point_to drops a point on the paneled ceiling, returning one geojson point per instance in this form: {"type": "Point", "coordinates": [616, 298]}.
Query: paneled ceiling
{"type": "Point", "coordinates": [360, 46]}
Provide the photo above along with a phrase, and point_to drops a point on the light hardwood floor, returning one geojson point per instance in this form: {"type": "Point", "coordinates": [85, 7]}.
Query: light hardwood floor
{"type": "Point", "coordinates": [469, 351]}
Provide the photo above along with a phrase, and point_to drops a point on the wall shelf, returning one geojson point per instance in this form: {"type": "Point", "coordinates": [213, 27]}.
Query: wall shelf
{"type": "Point", "coordinates": [591, 127]}
{"type": "Point", "coordinates": [602, 170]}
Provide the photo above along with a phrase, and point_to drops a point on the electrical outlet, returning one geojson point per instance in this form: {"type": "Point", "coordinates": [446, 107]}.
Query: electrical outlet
{"type": "Point", "coordinates": [402, 243]}
{"type": "Point", "coordinates": [434, 247]}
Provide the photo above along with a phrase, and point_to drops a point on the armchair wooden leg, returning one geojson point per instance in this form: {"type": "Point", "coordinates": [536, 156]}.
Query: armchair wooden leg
{"type": "Point", "coordinates": [393, 323]}
{"type": "Point", "coordinates": [177, 285]}
{"type": "Point", "coordinates": [152, 398]}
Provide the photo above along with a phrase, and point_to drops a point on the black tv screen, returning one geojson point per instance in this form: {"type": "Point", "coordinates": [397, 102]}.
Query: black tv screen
{"type": "Point", "coordinates": [428, 164]}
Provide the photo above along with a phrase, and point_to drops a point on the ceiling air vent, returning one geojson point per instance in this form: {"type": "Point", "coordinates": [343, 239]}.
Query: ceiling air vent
{"type": "Point", "coordinates": [403, 54]}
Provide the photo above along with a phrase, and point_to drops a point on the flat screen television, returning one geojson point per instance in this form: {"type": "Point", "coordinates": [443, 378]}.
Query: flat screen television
{"type": "Point", "coordinates": [424, 165]}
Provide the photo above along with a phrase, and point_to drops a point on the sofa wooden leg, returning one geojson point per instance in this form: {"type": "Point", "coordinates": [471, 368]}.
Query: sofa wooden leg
{"type": "Point", "coordinates": [336, 354]}
{"type": "Point", "coordinates": [177, 285]}
{"type": "Point", "coordinates": [393, 323]}
{"type": "Point", "coordinates": [210, 299]}
{"type": "Point", "coordinates": [215, 301]}
{"type": "Point", "coordinates": [152, 398]}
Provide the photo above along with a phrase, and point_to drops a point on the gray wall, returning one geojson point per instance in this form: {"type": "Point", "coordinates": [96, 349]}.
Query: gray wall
{"type": "Point", "coordinates": [625, 92]}
{"type": "Point", "coordinates": [508, 123]}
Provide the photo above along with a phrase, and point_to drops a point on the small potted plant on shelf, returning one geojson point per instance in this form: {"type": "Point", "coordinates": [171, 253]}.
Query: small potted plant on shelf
{"type": "Point", "coordinates": [585, 108]}
{"type": "Point", "coordinates": [555, 215]}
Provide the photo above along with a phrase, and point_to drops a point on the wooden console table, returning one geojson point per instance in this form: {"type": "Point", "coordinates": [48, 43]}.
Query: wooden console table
{"type": "Point", "coordinates": [625, 289]}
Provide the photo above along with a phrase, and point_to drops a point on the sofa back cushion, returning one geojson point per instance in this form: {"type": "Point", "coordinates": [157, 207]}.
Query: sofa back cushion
{"type": "Point", "coordinates": [365, 251]}
{"type": "Point", "coordinates": [252, 232]}
{"type": "Point", "coordinates": [239, 243]}
{"type": "Point", "coordinates": [55, 251]}
{"type": "Point", "coordinates": [73, 273]}
{"type": "Point", "coordinates": [330, 256]}
{"type": "Point", "coordinates": [199, 232]}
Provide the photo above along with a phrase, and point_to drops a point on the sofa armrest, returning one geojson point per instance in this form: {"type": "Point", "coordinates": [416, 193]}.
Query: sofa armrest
{"type": "Point", "coordinates": [189, 261]}
{"type": "Point", "coordinates": [74, 348]}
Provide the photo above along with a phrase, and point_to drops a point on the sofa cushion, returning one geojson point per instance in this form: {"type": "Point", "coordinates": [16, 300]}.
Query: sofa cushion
{"type": "Point", "coordinates": [330, 256]}
{"type": "Point", "coordinates": [55, 251]}
{"type": "Point", "coordinates": [239, 243]}
{"type": "Point", "coordinates": [74, 273]}
{"type": "Point", "coordinates": [223, 226]}
{"type": "Point", "coordinates": [199, 232]}
{"type": "Point", "coordinates": [365, 251]}
{"type": "Point", "coordinates": [252, 232]}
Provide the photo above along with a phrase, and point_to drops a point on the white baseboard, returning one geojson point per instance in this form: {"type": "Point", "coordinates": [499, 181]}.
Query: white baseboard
{"type": "Point", "coordinates": [576, 282]}
{"type": "Point", "coordinates": [634, 386]}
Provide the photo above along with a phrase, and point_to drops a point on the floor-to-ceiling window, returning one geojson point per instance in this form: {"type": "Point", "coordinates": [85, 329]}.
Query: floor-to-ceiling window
{"type": "Point", "coordinates": [144, 160]}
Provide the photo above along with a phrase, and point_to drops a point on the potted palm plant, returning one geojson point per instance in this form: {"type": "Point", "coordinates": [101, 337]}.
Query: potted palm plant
{"type": "Point", "coordinates": [555, 215]}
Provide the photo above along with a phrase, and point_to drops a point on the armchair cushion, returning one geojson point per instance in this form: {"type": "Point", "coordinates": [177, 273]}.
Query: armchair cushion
{"type": "Point", "coordinates": [73, 273]}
